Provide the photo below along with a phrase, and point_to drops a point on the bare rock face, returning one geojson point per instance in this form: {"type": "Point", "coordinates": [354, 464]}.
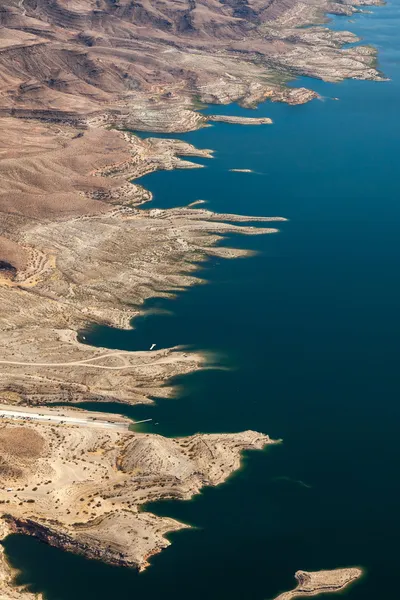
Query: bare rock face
{"type": "Point", "coordinates": [241, 120]}
{"type": "Point", "coordinates": [8, 591]}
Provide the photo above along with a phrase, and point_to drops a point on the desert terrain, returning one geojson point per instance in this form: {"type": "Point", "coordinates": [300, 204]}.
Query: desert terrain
{"type": "Point", "coordinates": [78, 246]}
{"type": "Point", "coordinates": [80, 486]}
{"type": "Point", "coordinates": [76, 78]}
{"type": "Point", "coordinates": [321, 582]}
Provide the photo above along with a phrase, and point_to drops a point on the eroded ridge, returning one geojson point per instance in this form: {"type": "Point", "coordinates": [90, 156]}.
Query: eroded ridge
{"type": "Point", "coordinates": [141, 65]}
{"type": "Point", "coordinates": [313, 583]}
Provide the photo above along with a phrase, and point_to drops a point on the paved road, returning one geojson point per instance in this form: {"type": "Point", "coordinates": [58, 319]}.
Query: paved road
{"type": "Point", "coordinates": [83, 421]}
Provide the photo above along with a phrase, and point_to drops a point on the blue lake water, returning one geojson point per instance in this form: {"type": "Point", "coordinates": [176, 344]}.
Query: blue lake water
{"type": "Point", "coordinates": [310, 329]}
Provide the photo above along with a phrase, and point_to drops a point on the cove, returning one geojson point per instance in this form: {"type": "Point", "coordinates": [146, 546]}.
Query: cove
{"type": "Point", "coordinates": [310, 331]}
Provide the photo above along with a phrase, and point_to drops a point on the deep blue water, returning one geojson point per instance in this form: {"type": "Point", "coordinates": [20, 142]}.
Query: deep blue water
{"type": "Point", "coordinates": [310, 329]}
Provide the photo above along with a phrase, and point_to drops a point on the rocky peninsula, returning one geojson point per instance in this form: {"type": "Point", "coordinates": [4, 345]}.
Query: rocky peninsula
{"type": "Point", "coordinates": [79, 486]}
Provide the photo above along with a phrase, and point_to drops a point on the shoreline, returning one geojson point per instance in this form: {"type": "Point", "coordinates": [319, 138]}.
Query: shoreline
{"type": "Point", "coordinates": [81, 486]}
{"type": "Point", "coordinates": [56, 278]}
{"type": "Point", "coordinates": [142, 156]}
{"type": "Point", "coordinates": [314, 583]}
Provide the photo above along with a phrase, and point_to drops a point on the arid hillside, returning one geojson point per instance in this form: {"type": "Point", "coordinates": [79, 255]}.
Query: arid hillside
{"type": "Point", "coordinates": [75, 77]}
{"type": "Point", "coordinates": [67, 59]}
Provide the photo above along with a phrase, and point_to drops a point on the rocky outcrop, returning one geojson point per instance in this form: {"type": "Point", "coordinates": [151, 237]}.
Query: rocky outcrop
{"type": "Point", "coordinates": [321, 582]}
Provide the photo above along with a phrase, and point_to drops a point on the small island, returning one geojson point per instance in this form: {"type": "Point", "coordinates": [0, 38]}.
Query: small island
{"type": "Point", "coordinates": [321, 582]}
{"type": "Point", "coordinates": [241, 120]}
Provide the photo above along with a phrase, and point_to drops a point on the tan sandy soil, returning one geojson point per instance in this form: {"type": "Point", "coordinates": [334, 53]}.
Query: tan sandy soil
{"type": "Point", "coordinates": [321, 582]}
{"type": "Point", "coordinates": [80, 488]}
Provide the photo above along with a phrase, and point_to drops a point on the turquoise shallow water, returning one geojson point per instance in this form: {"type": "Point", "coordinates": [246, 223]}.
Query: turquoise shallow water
{"type": "Point", "coordinates": [310, 328]}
